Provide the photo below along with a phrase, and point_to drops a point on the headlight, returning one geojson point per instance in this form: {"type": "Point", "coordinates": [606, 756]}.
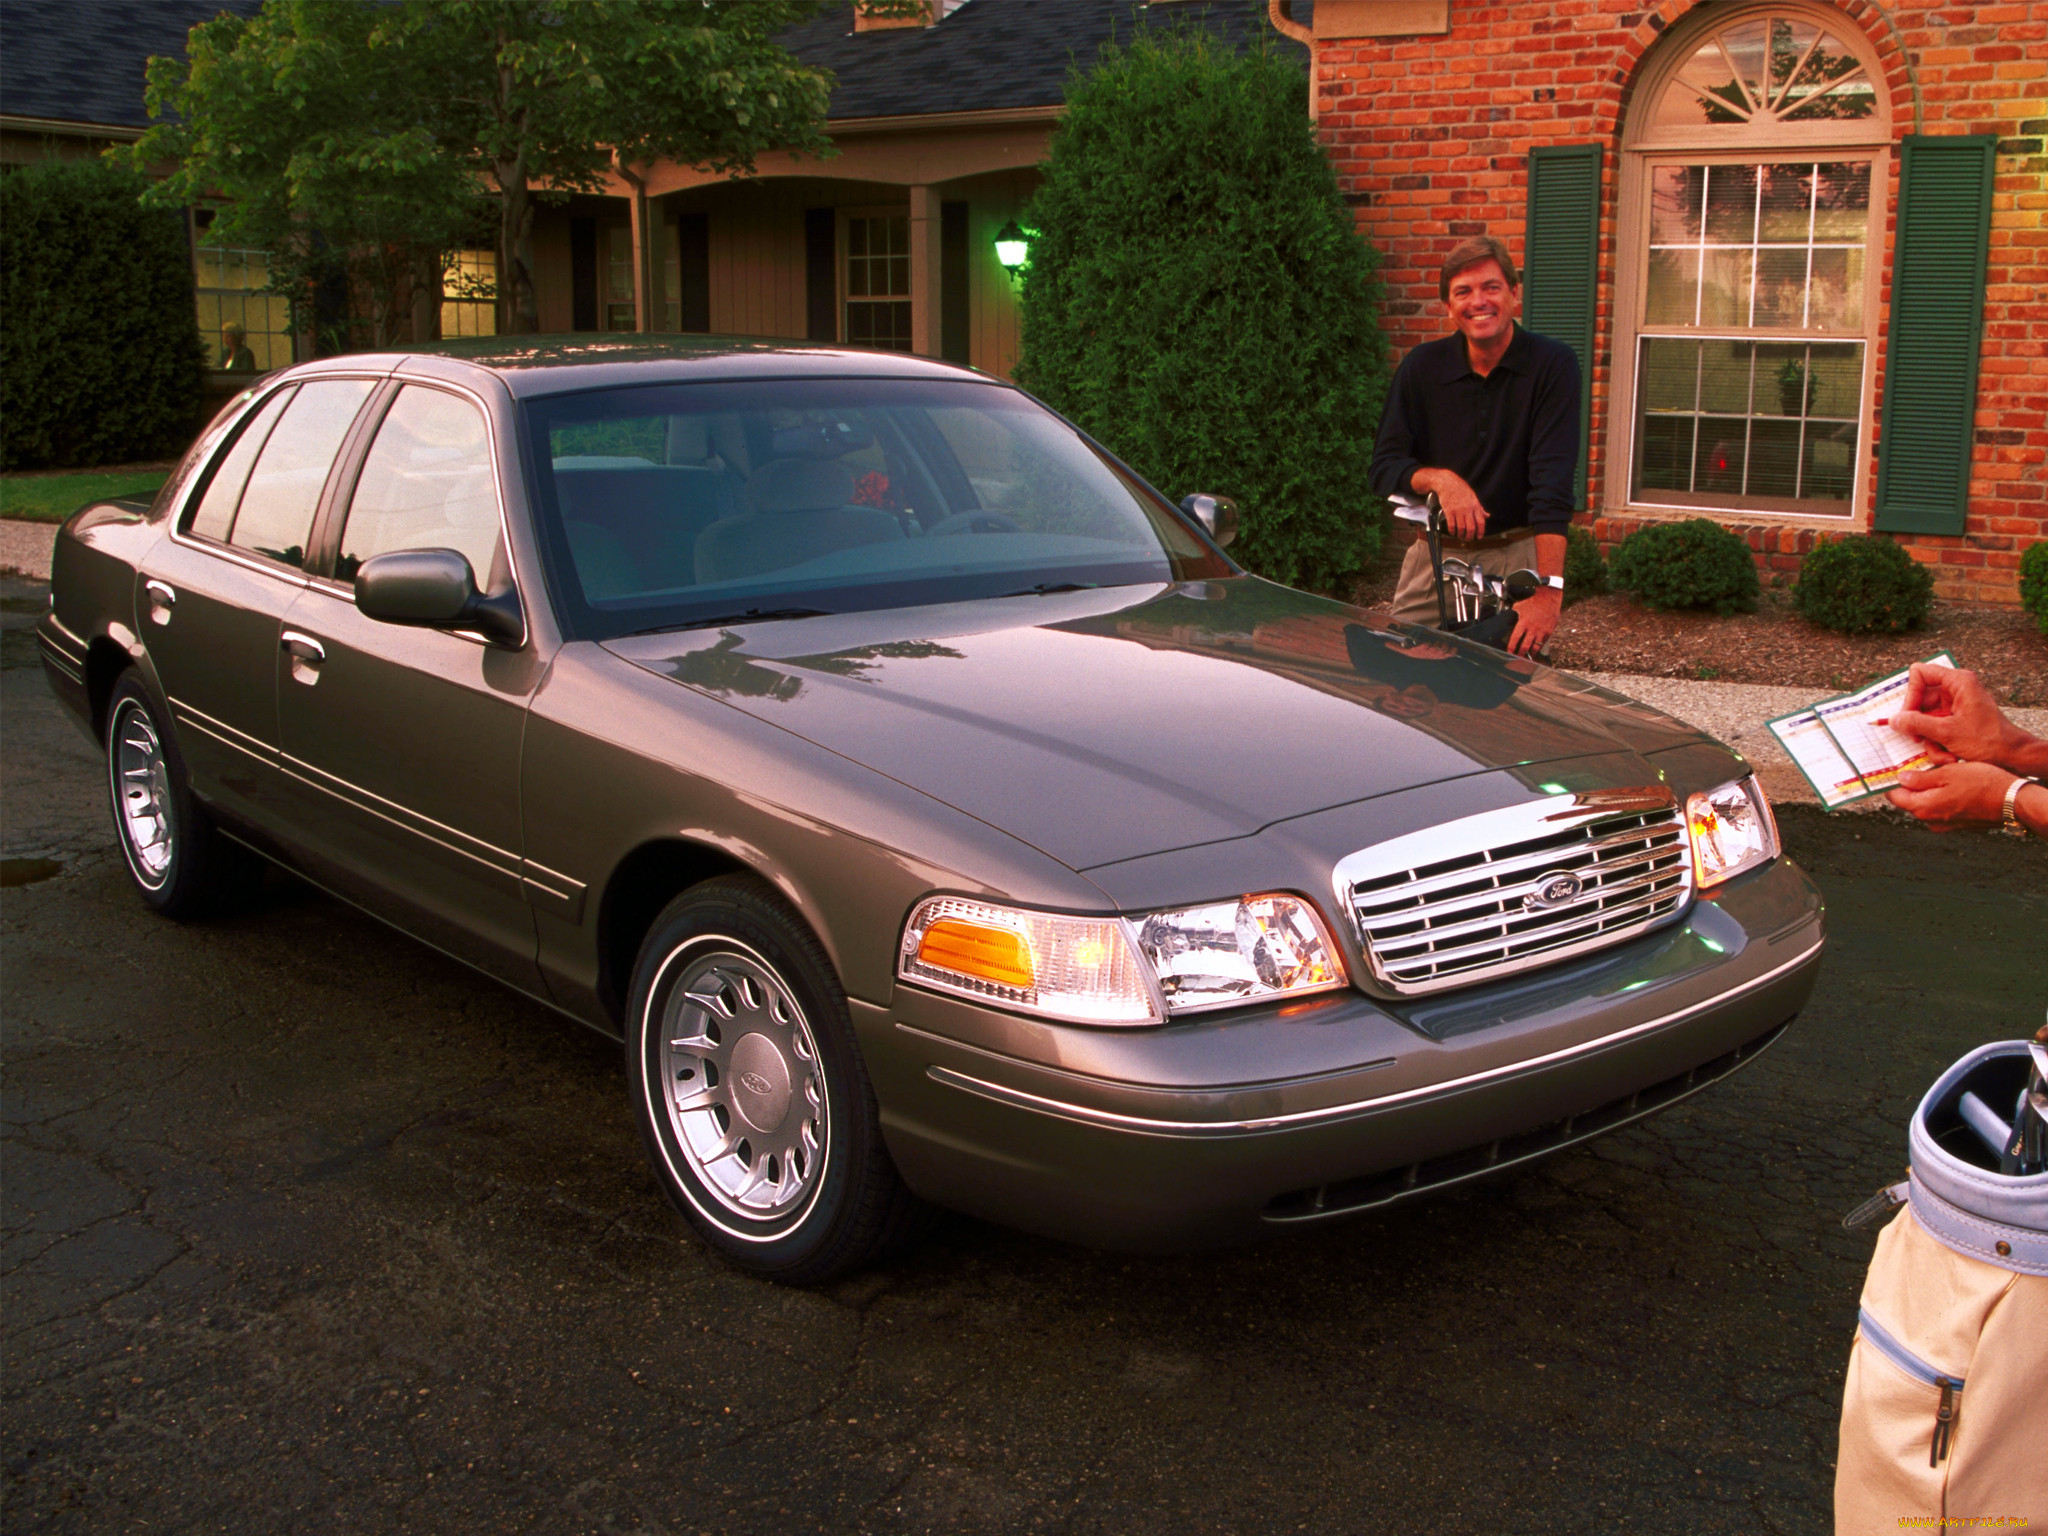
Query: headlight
{"type": "Point", "coordinates": [1108, 970]}
{"type": "Point", "coordinates": [1732, 830]}
{"type": "Point", "coordinates": [1237, 951]}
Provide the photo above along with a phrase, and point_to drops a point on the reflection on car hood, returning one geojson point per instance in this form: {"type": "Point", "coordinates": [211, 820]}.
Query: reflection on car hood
{"type": "Point", "coordinates": [1105, 725]}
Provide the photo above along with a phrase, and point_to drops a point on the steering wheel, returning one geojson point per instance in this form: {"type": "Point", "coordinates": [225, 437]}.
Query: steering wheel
{"type": "Point", "coordinates": [980, 520]}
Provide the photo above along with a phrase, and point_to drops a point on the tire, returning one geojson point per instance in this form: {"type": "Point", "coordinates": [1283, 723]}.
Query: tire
{"type": "Point", "coordinates": [751, 1094]}
{"type": "Point", "coordinates": [178, 862]}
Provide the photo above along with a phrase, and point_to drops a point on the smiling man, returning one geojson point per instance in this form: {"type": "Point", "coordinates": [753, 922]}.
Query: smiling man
{"type": "Point", "coordinates": [1488, 419]}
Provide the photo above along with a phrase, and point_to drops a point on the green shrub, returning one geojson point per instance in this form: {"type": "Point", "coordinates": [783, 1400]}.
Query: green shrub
{"type": "Point", "coordinates": [1863, 582]}
{"type": "Point", "coordinates": [1199, 300]}
{"type": "Point", "coordinates": [2034, 584]}
{"type": "Point", "coordinates": [100, 357]}
{"type": "Point", "coordinates": [1693, 564]}
{"type": "Point", "coordinates": [1585, 568]}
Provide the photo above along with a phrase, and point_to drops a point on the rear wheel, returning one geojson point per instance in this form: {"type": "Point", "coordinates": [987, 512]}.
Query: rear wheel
{"type": "Point", "coordinates": [179, 863]}
{"type": "Point", "coordinates": [751, 1093]}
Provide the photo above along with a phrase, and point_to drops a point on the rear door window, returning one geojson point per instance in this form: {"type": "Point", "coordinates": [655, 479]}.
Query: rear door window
{"type": "Point", "coordinates": [426, 484]}
{"type": "Point", "coordinates": [277, 506]}
{"type": "Point", "coordinates": [216, 513]}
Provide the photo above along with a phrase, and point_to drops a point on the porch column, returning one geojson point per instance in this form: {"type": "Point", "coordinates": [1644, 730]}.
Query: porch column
{"type": "Point", "coordinates": [924, 272]}
{"type": "Point", "coordinates": [643, 247]}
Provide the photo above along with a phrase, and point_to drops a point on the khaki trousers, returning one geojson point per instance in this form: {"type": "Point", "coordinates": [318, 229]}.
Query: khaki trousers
{"type": "Point", "coordinates": [1415, 593]}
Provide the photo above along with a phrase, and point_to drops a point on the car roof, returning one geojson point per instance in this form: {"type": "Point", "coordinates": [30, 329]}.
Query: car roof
{"type": "Point", "coordinates": [563, 364]}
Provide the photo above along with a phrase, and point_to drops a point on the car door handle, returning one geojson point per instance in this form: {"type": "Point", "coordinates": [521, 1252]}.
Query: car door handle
{"type": "Point", "coordinates": [161, 600]}
{"type": "Point", "coordinates": [303, 647]}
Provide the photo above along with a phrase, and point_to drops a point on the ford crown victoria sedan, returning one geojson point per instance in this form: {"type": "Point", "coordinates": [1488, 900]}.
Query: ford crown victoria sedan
{"type": "Point", "coordinates": [935, 811]}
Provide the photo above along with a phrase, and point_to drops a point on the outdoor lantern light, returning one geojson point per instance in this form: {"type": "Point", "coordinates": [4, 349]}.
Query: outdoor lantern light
{"type": "Point", "coordinates": [1012, 246]}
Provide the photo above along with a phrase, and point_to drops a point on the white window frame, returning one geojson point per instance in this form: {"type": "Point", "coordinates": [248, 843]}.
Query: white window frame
{"type": "Point", "coordinates": [1646, 145]}
{"type": "Point", "coordinates": [843, 254]}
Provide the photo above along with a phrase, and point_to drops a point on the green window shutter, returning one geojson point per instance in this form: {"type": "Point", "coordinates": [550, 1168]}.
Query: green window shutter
{"type": "Point", "coordinates": [1937, 330]}
{"type": "Point", "coordinates": [1561, 263]}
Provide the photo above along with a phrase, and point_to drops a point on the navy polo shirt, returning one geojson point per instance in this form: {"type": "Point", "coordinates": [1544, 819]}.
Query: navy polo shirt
{"type": "Point", "coordinates": [1513, 435]}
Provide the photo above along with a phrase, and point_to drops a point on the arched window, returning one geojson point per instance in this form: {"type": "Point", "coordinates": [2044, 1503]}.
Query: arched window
{"type": "Point", "coordinates": [1752, 182]}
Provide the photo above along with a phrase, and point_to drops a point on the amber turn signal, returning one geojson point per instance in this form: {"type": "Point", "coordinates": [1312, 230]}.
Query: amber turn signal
{"type": "Point", "coordinates": [1000, 955]}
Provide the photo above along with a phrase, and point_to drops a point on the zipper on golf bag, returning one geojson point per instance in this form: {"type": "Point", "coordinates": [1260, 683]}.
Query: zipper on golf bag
{"type": "Point", "coordinates": [1951, 1387]}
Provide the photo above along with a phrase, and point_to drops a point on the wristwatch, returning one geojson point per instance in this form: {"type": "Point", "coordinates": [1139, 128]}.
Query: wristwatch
{"type": "Point", "coordinates": [2009, 818]}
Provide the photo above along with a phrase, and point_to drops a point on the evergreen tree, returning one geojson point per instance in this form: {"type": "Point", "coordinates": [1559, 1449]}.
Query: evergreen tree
{"type": "Point", "coordinates": [100, 359]}
{"type": "Point", "coordinates": [1198, 299]}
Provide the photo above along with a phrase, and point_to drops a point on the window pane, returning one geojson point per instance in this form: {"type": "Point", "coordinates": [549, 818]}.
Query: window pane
{"type": "Point", "coordinates": [1704, 91]}
{"type": "Point", "coordinates": [1724, 287]}
{"type": "Point", "coordinates": [1673, 297]}
{"type": "Point", "coordinates": [1666, 453]}
{"type": "Point", "coordinates": [1722, 446]}
{"type": "Point", "coordinates": [216, 514]}
{"type": "Point", "coordinates": [1790, 41]}
{"type": "Point", "coordinates": [1784, 385]}
{"type": "Point", "coordinates": [1724, 376]}
{"type": "Point", "coordinates": [1731, 204]}
{"type": "Point", "coordinates": [1828, 467]}
{"type": "Point", "coordinates": [1837, 381]}
{"type": "Point", "coordinates": [1781, 287]}
{"type": "Point", "coordinates": [426, 484]}
{"type": "Point", "coordinates": [1675, 194]}
{"type": "Point", "coordinates": [1670, 375]}
{"type": "Point", "coordinates": [284, 489]}
{"type": "Point", "coordinates": [1842, 202]}
{"type": "Point", "coordinates": [1787, 204]}
{"type": "Point", "coordinates": [1773, 458]}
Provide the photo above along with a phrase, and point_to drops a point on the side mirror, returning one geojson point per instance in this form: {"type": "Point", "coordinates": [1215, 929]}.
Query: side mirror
{"type": "Point", "coordinates": [434, 588]}
{"type": "Point", "coordinates": [1217, 514]}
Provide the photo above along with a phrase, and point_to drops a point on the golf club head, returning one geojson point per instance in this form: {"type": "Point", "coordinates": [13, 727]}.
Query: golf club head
{"type": "Point", "coordinates": [1521, 584]}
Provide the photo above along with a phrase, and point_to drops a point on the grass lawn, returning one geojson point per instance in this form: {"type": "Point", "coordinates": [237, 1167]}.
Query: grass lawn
{"type": "Point", "coordinates": [52, 498]}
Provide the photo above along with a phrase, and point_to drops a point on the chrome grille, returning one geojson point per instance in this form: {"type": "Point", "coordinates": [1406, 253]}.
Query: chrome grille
{"type": "Point", "coordinates": [1509, 890]}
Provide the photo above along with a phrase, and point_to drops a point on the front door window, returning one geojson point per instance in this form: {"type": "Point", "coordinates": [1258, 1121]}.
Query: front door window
{"type": "Point", "coordinates": [878, 282]}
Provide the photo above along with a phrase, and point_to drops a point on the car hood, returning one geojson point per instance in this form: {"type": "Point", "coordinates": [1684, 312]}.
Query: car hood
{"type": "Point", "coordinates": [1106, 725]}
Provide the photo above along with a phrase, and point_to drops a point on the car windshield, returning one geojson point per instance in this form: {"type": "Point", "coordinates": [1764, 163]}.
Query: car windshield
{"type": "Point", "coordinates": [668, 505]}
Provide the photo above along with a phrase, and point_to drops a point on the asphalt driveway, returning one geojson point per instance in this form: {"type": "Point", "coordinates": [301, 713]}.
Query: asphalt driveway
{"type": "Point", "coordinates": [307, 1229]}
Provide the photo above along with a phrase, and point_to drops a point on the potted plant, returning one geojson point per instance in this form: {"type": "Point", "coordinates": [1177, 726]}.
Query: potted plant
{"type": "Point", "coordinates": [1793, 382]}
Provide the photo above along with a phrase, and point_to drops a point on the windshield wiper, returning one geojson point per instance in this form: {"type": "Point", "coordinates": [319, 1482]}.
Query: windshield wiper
{"type": "Point", "coordinates": [1045, 588]}
{"type": "Point", "coordinates": [744, 616]}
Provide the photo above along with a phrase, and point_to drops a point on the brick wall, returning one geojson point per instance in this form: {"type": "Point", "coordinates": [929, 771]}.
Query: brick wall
{"type": "Point", "coordinates": [1430, 137]}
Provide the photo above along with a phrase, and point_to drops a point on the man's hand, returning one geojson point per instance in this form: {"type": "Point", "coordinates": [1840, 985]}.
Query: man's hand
{"type": "Point", "coordinates": [1956, 796]}
{"type": "Point", "coordinates": [1463, 515]}
{"type": "Point", "coordinates": [1535, 621]}
{"type": "Point", "coordinates": [1954, 710]}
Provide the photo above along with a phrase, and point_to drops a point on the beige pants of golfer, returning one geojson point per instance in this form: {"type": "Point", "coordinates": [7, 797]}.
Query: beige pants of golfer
{"type": "Point", "coordinates": [1497, 554]}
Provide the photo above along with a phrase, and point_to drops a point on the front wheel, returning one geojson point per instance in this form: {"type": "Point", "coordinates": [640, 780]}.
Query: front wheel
{"type": "Point", "coordinates": [750, 1091]}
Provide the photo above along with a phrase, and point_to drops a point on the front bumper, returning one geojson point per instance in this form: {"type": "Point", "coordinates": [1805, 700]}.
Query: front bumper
{"type": "Point", "coordinates": [1214, 1131]}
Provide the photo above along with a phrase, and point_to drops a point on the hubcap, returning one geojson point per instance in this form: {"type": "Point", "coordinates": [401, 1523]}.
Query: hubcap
{"type": "Point", "coordinates": [142, 795]}
{"type": "Point", "coordinates": [741, 1084]}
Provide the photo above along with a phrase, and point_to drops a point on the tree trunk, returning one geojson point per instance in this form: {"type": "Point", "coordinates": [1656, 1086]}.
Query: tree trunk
{"type": "Point", "coordinates": [521, 303]}
{"type": "Point", "coordinates": [426, 296]}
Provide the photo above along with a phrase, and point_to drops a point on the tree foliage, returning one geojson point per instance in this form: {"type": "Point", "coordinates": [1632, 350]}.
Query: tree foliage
{"type": "Point", "coordinates": [1198, 298]}
{"type": "Point", "coordinates": [363, 136]}
{"type": "Point", "coordinates": [100, 359]}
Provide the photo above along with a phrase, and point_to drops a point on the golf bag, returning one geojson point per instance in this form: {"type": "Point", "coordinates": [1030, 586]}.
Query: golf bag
{"type": "Point", "coordinates": [1945, 1409]}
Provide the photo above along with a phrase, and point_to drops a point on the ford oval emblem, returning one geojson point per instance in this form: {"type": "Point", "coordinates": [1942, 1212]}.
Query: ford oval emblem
{"type": "Point", "coordinates": [755, 1083]}
{"type": "Point", "coordinates": [1559, 888]}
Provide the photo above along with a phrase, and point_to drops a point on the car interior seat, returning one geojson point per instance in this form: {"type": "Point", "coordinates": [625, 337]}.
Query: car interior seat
{"type": "Point", "coordinates": [802, 509]}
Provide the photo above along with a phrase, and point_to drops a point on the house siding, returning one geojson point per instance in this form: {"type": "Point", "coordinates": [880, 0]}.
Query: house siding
{"type": "Point", "coordinates": [1431, 137]}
